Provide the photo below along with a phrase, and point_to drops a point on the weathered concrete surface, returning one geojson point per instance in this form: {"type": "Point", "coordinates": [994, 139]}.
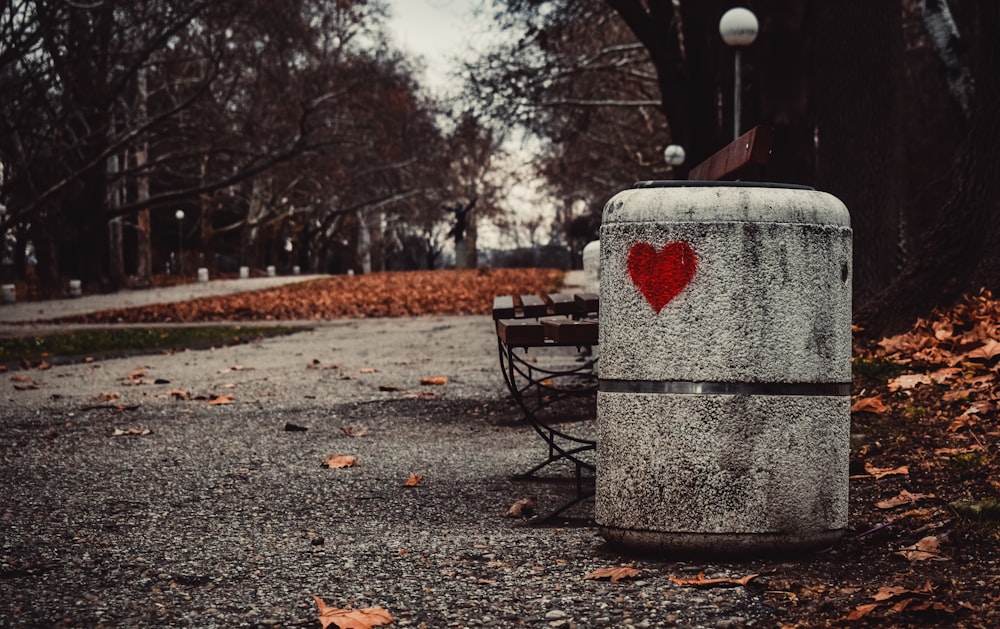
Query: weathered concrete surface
{"type": "Point", "coordinates": [745, 286]}
{"type": "Point", "coordinates": [592, 266]}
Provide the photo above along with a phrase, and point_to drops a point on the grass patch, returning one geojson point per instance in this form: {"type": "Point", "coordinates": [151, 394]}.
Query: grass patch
{"type": "Point", "coordinates": [987, 510]}
{"type": "Point", "coordinates": [124, 341]}
{"type": "Point", "coordinates": [875, 371]}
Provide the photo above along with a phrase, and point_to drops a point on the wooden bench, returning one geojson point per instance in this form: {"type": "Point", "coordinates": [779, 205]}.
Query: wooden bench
{"type": "Point", "coordinates": [528, 326]}
{"type": "Point", "coordinates": [531, 323]}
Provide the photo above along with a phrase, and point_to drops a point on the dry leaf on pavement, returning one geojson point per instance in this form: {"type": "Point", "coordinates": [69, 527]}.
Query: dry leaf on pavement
{"type": "Point", "coordinates": [615, 574]}
{"type": "Point", "coordinates": [340, 460]}
{"type": "Point", "coordinates": [413, 480]}
{"type": "Point", "coordinates": [350, 431]}
{"type": "Point", "coordinates": [221, 399]}
{"type": "Point", "coordinates": [132, 432]}
{"type": "Point", "coordinates": [523, 508]}
{"type": "Point", "coordinates": [366, 618]}
{"type": "Point", "coordinates": [435, 380]}
{"type": "Point", "coordinates": [701, 581]}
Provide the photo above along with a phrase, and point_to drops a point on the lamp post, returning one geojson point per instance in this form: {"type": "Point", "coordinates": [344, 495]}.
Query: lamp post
{"type": "Point", "coordinates": [738, 28]}
{"type": "Point", "coordinates": [179, 215]}
{"type": "Point", "coordinates": [674, 155]}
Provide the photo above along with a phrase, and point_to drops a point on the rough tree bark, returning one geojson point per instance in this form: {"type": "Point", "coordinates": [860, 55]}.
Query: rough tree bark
{"type": "Point", "coordinates": [959, 254]}
{"type": "Point", "coordinates": [858, 121]}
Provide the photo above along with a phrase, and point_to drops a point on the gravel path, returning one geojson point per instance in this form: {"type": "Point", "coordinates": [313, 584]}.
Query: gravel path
{"type": "Point", "coordinates": [222, 517]}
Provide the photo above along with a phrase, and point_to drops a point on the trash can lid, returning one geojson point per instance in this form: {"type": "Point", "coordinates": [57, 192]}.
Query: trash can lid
{"type": "Point", "coordinates": [724, 202]}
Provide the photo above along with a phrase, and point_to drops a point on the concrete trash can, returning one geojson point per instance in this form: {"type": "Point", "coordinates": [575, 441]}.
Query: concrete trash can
{"type": "Point", "coordinates": [592, 267]}
{"type": "Point", "coordinates": [723, 412]}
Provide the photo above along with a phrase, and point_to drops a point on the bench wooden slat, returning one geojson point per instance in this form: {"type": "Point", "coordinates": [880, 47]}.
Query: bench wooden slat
{"type": "Point", "coordinates": [588, 302]}
{"type": "Point", "coordinates": [533, 306]}
{"type": "Point", "coordinates": [749, 151]}
{"type": "Point", "coordinates": [561, 304]}
{"type": "Point", "coordinates": [503, 307]}
{"type": "Point", "coordinates": [571, 332]}
{"type": "Point", "coordinates": [521, 332]}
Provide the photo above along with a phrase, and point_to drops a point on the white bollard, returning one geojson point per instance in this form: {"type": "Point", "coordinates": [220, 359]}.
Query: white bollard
{"type": "Point", "coordinates": [203, 275]}
{"type": "Point", "coordinates": [270, 271]}
{"type": "Point", "coordinates": [724, 402]}
{"type": "Point", "coordinates": [9, 296]}
{"type": "Point", "coordinates": [592, 267]}
{"type": "Point", "coordinates": [296, 270]}
{"type": "Point", "coordinates": [75, 289]}
{"type": "Point", "coordinates": [244, 272]}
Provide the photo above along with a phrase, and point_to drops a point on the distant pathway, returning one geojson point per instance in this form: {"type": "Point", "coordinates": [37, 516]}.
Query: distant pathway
{"type": "Point", "coordinates": [31, 311]}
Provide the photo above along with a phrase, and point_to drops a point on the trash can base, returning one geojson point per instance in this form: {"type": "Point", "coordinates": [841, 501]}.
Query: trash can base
{"type": "Point", "coordinates": [718, 544]}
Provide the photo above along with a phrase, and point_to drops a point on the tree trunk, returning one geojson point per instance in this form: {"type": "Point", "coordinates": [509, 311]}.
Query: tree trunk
{"type": "Point", "coordinates": [116, 240]}
{"type": "Point", "coordinates": [778, 74]}
{"type": "Point", "coordinates": [471, 235]}
{"type": "Point", "coordinates": [858, 121]}
{"type": "Point", "coordinates": [143, 243]}
{"type": "Point", "coordinates": [959, 254]}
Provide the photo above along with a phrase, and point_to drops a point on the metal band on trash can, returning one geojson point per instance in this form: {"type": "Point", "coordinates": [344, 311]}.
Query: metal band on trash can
{"type": "Point", "coordinates": [820, 389]}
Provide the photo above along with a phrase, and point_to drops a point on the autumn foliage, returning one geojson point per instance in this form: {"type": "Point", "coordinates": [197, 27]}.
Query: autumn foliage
{"type": "Point", "coordinates": [395, 294]}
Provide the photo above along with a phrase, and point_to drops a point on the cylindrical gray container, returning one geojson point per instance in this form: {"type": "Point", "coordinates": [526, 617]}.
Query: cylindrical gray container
{"type": "Point", "coordinates": [592, 267]}
{"type": "Point", "coordinates": [725, 335]}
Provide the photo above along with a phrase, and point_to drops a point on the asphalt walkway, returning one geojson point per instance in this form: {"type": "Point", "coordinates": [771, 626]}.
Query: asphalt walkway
{"type": "Point", "coordinates": [187, 489]}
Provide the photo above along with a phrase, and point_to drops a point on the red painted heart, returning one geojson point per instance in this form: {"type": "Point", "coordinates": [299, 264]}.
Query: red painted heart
{"type": "Point", "coordinates": [661, 275]}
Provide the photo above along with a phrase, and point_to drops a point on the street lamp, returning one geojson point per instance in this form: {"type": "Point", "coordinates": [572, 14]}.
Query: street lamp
{"type": "Point", "coordinates": [674, 155]}
{"type": "Point", "coordinates": [179, 215]}
{"type": "Point", "coordinates": [738, 28]}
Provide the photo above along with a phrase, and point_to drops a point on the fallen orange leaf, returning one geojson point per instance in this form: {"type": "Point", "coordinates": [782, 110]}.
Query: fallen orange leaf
{"type": "Point", "coordinates": [413, 480]}
{"type": "Point", "coordinates": [701, 581]}
{"type": "Point", "coordinates": [221, 399]}
{"type": "Point", "coordinates": [615, 574]}
{"type": "Point", "coordinates": [437, 380]}
{"type": "Point", "coordinates": [352, 618]}
{"type": "Point", "coordinates": [892, 591]}
{"type": "Point", "coordinates": [340, 460]}
{"type": "Point", "coordinates": [927, 548]}
{"type": "Point", "coordinates": [870, 405]}
{"type": "Point", "coordinates": [908, 381]}
{"type": "Point", "coordinates": [904, 498]}
{"type": "Point", "coordinates": [879, 472]}
{"type": "Point", "coordinates": [523, 508]}
{"type": "Point", "coordinates": [861, 611]}
{"type": "Point", "coordinates": [986, 352]}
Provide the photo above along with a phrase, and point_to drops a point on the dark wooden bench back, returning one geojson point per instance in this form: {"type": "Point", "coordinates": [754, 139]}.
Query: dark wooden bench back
{"type": "Point", "coordinates": [740, 159]}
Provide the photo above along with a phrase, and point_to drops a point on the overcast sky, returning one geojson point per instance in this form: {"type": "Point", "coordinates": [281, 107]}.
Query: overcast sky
{"type": "Point", "coordinates": [438, 30]}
